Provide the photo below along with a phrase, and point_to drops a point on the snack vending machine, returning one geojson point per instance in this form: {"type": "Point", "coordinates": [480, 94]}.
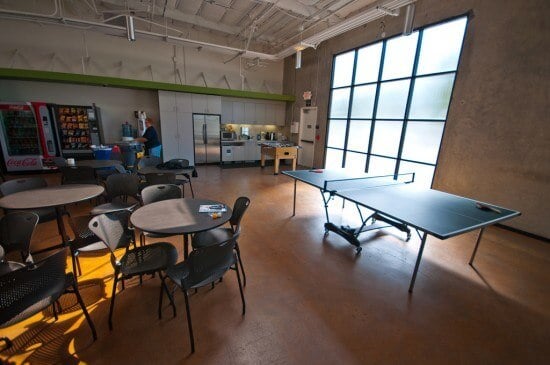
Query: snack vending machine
{"type": "Point", "coordinates": [27, 137]}
{"type": "Point", "coordinates": [79, 127]}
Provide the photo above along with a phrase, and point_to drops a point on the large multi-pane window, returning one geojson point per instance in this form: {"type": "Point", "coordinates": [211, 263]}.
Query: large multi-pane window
{"type": "Point", "coordinates": [389, 102]}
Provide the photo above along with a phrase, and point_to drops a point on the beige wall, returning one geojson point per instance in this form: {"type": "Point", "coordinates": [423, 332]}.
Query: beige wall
{"type": "Point", "coordinates": [61, 49]}
{"type": "Point", "coordinates": [496, 145]}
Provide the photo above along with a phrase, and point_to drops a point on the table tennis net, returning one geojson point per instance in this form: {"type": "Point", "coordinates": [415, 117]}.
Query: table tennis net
{"type": "Point", "coordinates": [367, 182]}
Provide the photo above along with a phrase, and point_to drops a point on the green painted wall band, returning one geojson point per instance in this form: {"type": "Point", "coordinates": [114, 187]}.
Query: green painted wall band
{"type": "Point", "coordinates": [35, 75]}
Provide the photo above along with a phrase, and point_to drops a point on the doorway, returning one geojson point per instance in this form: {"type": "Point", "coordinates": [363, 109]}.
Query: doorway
{"type": "Point", "coordinates": [308, 121]}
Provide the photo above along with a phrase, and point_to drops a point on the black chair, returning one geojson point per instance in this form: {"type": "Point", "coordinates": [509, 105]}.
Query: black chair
{"type": "Point", "coordinates": [84, 241]}
{"type": "Point", "coordinates": [112, 229]}
{"type": "Point", "coordinates": [184, 178]}
{"type": "Point", "coordinates": [15, 186]}
{"type": "Point", "coordinates": [78, 175]}
{"type": "Point", "coordinates": [31, 289]}
{"type": "Point", "coordinates": [204, 266]}
{"type": "Point", "coordinates": [156, 193]}
{"type": "Point", "coordinates": [118, 188]}
{"type": "Point", "coordinates": [220, 234]}
{"type": "Point", "coordinates": [16, 230]}
{"type": "Point", "coordinates": [160, 178]}
{"type": "Point", "coordinates": [146, 161]}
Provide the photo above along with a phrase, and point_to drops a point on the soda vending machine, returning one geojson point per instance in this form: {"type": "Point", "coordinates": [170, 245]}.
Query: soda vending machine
{"type": "Point", "coordinates": [27, 137]}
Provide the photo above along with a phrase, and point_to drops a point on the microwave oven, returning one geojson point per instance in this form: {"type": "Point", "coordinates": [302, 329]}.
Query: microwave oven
{"type": "Point", "coordinates": [228, 136]}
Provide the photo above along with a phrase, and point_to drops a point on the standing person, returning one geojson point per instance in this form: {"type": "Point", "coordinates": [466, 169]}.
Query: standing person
{"type": "Point", "coordinates": [151, 139]}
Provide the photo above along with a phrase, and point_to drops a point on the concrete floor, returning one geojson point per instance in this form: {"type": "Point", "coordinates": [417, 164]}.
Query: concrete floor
{"type": "Point", "coordinates": [311, 300]}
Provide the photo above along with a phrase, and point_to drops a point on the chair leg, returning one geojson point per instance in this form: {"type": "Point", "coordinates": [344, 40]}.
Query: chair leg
{"type": "Point", "coordinates": [112, 306]}
{"type": "Point", "coordinates": [160, 297]}
{"type": "Point", "coordinates": [77, 259]}
{"type": "Point", "coordinates": [54, 311]}
{"type": "Point", "coordinates": [189, 321]}
{"type": "Point", "coordinates": [240, 262]}
{"type": "Point", "coordinates": [164, 287]}
{"type": "Point", "coordinates": [191, 187]}
{"type": "Point", "coordinates": [86, 314]}
{"type": "Point", "coordinates": [240, 288]}
{"type": "Point", "coordinates": [73, 260]}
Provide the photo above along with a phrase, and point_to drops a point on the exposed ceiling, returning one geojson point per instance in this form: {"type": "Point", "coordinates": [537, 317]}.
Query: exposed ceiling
{"type": "Point", "coordinates": [266, 29]}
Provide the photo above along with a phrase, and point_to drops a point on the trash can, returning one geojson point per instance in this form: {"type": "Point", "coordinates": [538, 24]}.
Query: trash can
{"type": "Point", "coordinates": [128, 151]}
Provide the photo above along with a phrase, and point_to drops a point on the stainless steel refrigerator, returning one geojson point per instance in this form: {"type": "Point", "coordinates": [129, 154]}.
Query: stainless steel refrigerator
{"type": "Point", "coordinates": [206, 136]}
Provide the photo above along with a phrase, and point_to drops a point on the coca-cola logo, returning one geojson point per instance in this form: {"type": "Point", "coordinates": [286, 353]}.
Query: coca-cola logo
{"type": "Point", "coordinates": [29, 161]}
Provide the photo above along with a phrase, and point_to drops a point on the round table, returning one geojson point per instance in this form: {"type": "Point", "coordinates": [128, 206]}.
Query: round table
{"type": "Point", "coordinates": [177, 216]}
{"type": "Point", "coordinates": [52, 197]}
{"type": "Point", "coordinates": [98, 164]}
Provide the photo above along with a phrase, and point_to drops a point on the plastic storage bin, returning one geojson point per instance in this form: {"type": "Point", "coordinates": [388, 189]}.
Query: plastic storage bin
{"type": "Point", "coordinates": [102, 153]}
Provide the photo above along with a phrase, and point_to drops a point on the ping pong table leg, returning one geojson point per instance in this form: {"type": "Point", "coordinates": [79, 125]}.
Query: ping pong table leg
{"type": "Point", "coordinates": [418, 258]}
{"type": "Point", "coordinates": [294, 203]}
{"type": "Point", "coordinates": [477, 245]}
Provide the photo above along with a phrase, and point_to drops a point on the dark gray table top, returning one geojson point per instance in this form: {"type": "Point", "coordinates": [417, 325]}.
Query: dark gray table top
{"type": "Point", "coordinates": [177, 216]}
{"type": "Point", "coordinates": [437, 213]}
{"type": "Point", "coordinates": [155, 170]}
{"type": "Point", "coordinates": [52, 196]}
{"type": "Point", "coordinates": [98, 164]}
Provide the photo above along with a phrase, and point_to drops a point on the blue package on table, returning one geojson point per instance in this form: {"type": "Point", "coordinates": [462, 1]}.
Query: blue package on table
{"type": "Point", "coordinates": [102, 153]}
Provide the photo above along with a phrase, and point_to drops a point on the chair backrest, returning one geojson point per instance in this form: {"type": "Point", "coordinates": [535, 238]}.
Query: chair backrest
{"type": "Point", "coordinates": [15, 186]}
{"type": "Point", "coordinates": [16, 229]}
{"type": "Point", "coordinates": [182, 161]}
{"type": "Point", "coordinates": [122, 185]}
{"type": "Point", "coordinates": [160, 178]}
{"type": "Point", "coordinates": [112, 229]}
{"type": "Point", "coordinates": [156, 193]}
{"type": "Point", "coordinates": [207, 264]}
{"type": "Point", "coordinates": [149, 161]}
{"type": "Point", "coordinates": [27, 291]}
{"type": "Point", "coordinates": [77, 175]}
{"type": "Point", "coordinates": [240, 206]}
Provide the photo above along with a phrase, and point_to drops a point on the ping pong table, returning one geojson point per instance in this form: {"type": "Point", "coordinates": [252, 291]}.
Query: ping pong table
{"type": "Point", "coordinates": [397, 201]}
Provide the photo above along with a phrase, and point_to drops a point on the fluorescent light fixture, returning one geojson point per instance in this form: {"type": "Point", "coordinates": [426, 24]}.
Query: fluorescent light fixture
{"type": "Point", "coordinates": [409, 18]}
{"type": "Point", "coordinates": [130, 31]}
{"type": "Point", "coordinates": [298, 59]}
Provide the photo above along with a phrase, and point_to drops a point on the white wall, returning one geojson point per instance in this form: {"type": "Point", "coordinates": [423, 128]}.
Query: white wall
{"type": "Point", "coordinates": [62, 49]}
{"type": "Point", "coordinates": [117, 104]}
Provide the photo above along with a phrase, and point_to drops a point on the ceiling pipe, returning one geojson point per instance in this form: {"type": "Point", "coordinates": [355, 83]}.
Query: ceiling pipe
{"type": "Point", "coordinates": [313, 41]}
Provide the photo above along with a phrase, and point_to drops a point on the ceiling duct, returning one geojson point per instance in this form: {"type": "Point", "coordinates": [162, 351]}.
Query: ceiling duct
{"type": "Point", "coordinates": [348, 24]}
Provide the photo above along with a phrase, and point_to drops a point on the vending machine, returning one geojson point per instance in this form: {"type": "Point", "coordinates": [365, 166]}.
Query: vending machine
{"type": "Point", "coordinates": [79, 128]}
{"type": "Point", "coordinates": [27, 137]}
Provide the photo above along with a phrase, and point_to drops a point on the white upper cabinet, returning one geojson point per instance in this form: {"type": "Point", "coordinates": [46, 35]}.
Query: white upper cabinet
{"type": "Point", "coordinates": [207, 104]}
{"type": "Point", "coordinates": [214, 104]}
{"type": "Point", "coordinates": [238, 112]}
{"type": "Point", "coordinates": [184, 102]}
{"type": "Point", "coordinates": [167, 101]}
{"type": "Point", "coordinates": [270, 114]}
{"type": "Point", "coordinates": [250, 112]}
{"type": "Point", "coordinates": [260, 113]}
{"type": "Point", "coordinates": [227, 112]}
